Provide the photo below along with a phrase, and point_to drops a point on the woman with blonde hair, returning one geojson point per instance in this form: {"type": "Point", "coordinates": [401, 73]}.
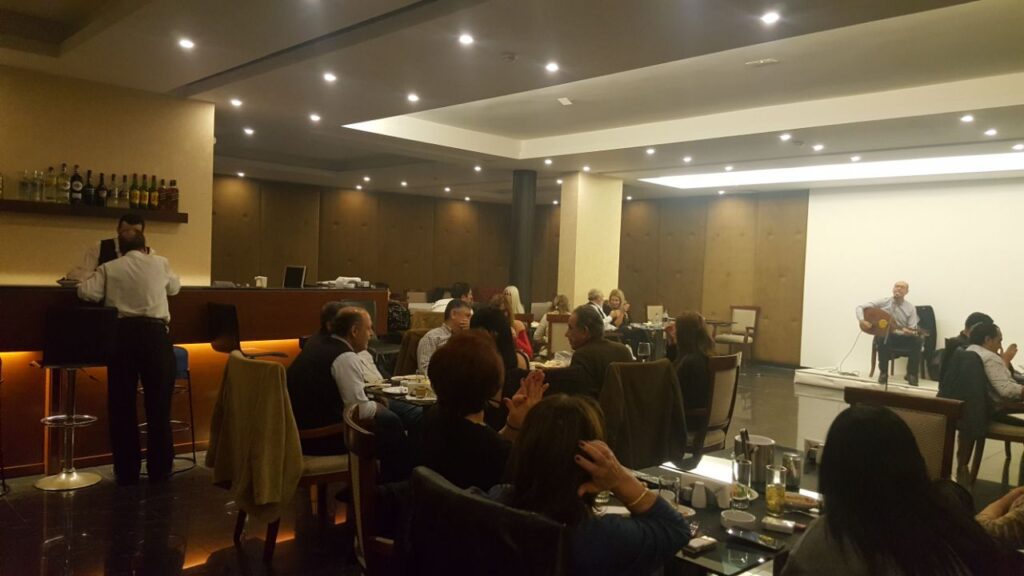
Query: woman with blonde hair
{"type": "Point", "coordinates": [513, 295]}
{"type": "Point", "coordinates": [617, 308]}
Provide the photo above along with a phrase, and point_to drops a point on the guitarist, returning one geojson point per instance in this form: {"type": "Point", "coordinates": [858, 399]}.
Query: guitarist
{"type": "Point", "coordinates": [903, 337]}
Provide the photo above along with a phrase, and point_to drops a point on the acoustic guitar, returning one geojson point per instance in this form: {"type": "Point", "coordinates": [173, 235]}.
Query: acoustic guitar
{"type": "Point", "coordinates": [882, 324]}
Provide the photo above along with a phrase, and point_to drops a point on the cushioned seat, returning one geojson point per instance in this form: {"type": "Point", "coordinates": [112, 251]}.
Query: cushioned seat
{"type": "Point", "coordinates": [731, 338]}
{"type": "Point", "coordinates": [317, 465]}
{"type": "Point", "coordinates": [713, 438]}
{"type": "Point", "coordinates": [1001, 429]}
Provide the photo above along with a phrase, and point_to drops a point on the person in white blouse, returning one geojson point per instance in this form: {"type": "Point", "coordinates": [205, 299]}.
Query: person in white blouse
{"type": "Point", "coordinates": [138, 284]}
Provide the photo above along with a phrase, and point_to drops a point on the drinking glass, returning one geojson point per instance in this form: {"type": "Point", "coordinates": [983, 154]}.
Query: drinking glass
{"type": "Point", "coordinates": [775, 490]}
{"type": "Point", "coordinates": [643, 351]}
{"type": "Point", "coordinates": [741, 469]}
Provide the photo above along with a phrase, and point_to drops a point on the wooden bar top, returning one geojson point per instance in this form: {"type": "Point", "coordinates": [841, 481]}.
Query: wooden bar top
{"type": "Point", "coordinates": [263, 313]}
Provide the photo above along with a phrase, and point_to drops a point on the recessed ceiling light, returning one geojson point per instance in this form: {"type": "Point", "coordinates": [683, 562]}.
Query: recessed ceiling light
{"type": "Point", "coordinates": [241, 174]}
{"type": "Point", "coordinates": [818, 147]}
{"type": "Point", "coordinates": [248, 131]}
{"type": "Point", "coordinates": [314, 117]}
{"type": "Point", "coordinates": [770, 18]}
{"type": "Point", "coordinates": [447, 189]}
{"type": "Point", "coordinates": [186, 44]}
{"type": "Point", "coordinates": [359, 186]}
{"type": "Point", "coordinates": [330, 77]}
{"type": "Point", "coordinates": [967, 118]}
{"type": "Point", "coordinates": [413, 97]}
{"type": "Point", "coordinates": [404, 183]}
{"type": "Point", "coordinates": [551, 67]}
{"type": "Point", "coordinates": [650, 151]}
{"type": "Point", "coordinates": [854, 158]}
{"type": "Point", "coordinates": [547, 161]}
{"type": "Point", "coordinates": [991, 132]}
{"type": "Point", "coordinates": [687, 159]}
{"type": "Point", "coordinates": [366, 178]}
{"type": "Point", "coordinates": [559, 181]}
{"type": "Point", "coordinates": [629, 198]}
{"type": "Point", "coordinates": [555, 202]}
{"type": "Point", "coordinates": [721, 192]}
{"type": "Point", "coordinates": [586, 168]}
{"type": "Point", "coordinates": [728, 168]}
{"type": "Point", "coordinates": [785, 137]}
{"type": "Point", "coordinates": [465, 39]}
{"type": "Point", "coordinates": [236, 102]}
{"type": "Point", "coordinates": [466, 198]}
{"type": "Point", "coordinates": [565, 101]}
{"type": "Point", "coordinates": [478, 168]}
{"type": "Point", "coordinates": [1018, 147]}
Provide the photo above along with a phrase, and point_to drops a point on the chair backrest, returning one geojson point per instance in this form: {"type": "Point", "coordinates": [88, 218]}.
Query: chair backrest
{"type": "Point", "coordinates": [725, 377]}
{"type": "Point", "coordinates": [417, 297]}
{"type": "Point", "coordinates": [424, 319]}
{"type": "Point", "coordinates": [643, 410]}
{"type": "Point", "coordinates": [526, 319]}
{"type": "Point", "coordinates": [655, 311]}
{"type": "Point", "coordinates": [181, 370]}
{"type": "Point", "coordinates": [539, 309]}
{"type": "Point", "coordinates": [224, 335]}
{"type": "Point", "coordinates": [406, 363]}
{"type": "Point", "coordinates": [932, 420]}
{"type": "Point", "coordinates": [557, 340]}
{"type": "Point", "coordinates": [362, 462]}
{"type": "Point", "coordinates": [80, 336]}
{"type": "Point", "coordinates": [744, 317]}
{"type": "Point", "coordinates": [456, 532]}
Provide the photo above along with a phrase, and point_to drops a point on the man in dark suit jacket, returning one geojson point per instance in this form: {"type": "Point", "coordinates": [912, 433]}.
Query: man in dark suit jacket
{"type": "Point", "coordinates": [591, 352]}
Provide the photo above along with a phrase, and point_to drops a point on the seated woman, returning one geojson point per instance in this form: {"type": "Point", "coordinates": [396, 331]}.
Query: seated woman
{"type": "Point", "coordinates": [507, 304]}
{"type": "Point", "coordinates": [560, 305]}
{"type": "Point", "coordinates": [883, 514]}
{"type": "Point", "coordinates": [616, 308]}
{"type": "Point", "coordinates": [465, 373]}
{"type": "Point", "coordinates": [516, 364]}
{"type": "Point", "coordinates": [689, 346]}
{"type": "Point", "coordinates": [559, 463]}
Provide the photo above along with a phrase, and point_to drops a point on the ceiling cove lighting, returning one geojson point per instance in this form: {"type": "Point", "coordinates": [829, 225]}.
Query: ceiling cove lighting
{"type": "Point", "coordinates": [976, 164]}
{"type": "Point", "coordinates": [785, 137]}
{"type": "Point", "coordinates": [186, 44]}
{"type": "Point", "coordinates": [248, 131]}
{"type": "Point", "coordinates": [329, 77]}
{"type": "Point", "coordinates": [465, 39]}
{"type": "Point", "coordinates": [551, 66]}
{"type": "Point", "coordinates": [241, 174]}
{"type": "Point", "coordinates": [967, 118]}
{"type": "Point", "coordinates": [650, 151]}
{"type": "Point", "coordinates": [314, 117]}
{"type": "Point", "coordinates": [236, 102]}
{"type": "Point", "coordinates": [818, 147]}
{"type": "Point", "coordinates": [770, 18]}
{"type": "Point", "coordinates": [991, 132]}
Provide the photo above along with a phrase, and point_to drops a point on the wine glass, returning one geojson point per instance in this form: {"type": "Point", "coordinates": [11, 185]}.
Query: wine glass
{"type": "Point", "coordinates": [643, 351]}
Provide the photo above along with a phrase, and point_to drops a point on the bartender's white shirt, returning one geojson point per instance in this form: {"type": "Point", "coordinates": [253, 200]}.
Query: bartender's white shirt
{"type": "Point", "coordinates": [137, 284]}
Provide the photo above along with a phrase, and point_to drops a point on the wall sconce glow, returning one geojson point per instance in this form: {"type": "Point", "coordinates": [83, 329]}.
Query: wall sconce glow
{"type": "Point", "coordinates": [967, 118]}
{"type": "Point", "coordinates": [770, 18]}
{"type": "Point", "coordinates": [976, 164]}
{"type": "Point", "coordinates": [329, 77]}
{"type": "Point", "coordinates": [241, 174]}
{"type": "Point", "coordinates": [465, 39]}
{"type": "Point", "coordinates": [186, 44]}
{"type": "Point", "coordinates": [551, 67]}
{"type": "Point", "coordinates": [248, 131]}
{"type": "Point", "coordinates": [721, 192]}
{"type": "Point", "coordinates": [236, 102]}
{"type": "Point", "coordinates": [629, 198]}
{"type": "Point", "coordinates": [359, 186]}
{"type": "Point", "coordinates": [785, 137]}
{"type": "Point", "coordinates": [818, 147]}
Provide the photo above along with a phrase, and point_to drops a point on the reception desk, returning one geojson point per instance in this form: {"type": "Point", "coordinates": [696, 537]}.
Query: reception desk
{"type": "Point", "coordinates": [271, 319]}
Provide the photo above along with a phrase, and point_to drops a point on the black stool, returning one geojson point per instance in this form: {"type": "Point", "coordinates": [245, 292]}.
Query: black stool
{"type": "Point", "coordinates": [181, 374]}
{"type": "Point", "coordinates": [224, 333]}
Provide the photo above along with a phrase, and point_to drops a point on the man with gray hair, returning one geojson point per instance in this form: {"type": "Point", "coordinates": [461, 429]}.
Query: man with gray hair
{"type": "Point", "coordinates": [595, 300]}
{"type": "Point", "coordinates": [903, 337]}
{"type": "Point", "coordinates": [592, 353]}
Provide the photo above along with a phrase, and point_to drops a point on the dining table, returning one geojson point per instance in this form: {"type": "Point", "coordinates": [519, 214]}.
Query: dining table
{"type": "Point", "coordinates": [732, 556]}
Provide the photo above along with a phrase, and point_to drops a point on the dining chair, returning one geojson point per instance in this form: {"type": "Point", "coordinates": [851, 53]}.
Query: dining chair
{"type": "Point", "coordinates": [225, 335]}
{"type": "Point", "coordinates": [407, 360]}
{"type": "Point", "coordinates": [454, 531]}
{"type": "Point", "coordinates": [709, 426]}
{"type": "Point", "coordinates": [558, 324]}
{"type": "Point", "coordinates": [933, 422]}
{"type": "Point", "coordinates": [425, 319]}
{"type": "Point", "coordinates": [1007, 433]}
{"type": "Point", "coordinates": [645, 424]}
{"type": "Point", "coordinates": [374, 552]}
{"type": "Point", "coordinates": [741, 333]}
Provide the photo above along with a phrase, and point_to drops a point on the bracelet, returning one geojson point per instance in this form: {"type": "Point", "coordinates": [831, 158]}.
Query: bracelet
{"type": "Point", "coordinates": [638, 499]}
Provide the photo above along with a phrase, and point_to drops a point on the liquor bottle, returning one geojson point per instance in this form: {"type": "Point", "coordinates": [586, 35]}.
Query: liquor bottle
{"type": "Point", "coordinates": [24, 186]}
{"type": "Point", "coordinates": [88, 191]}
{"type": "Point", "coordinates": [101, 193]}
{"type": "Point", "coordinates": [172, 196]}
{"type": "Point", "coordinates": [123, 196]}
{"type": "Point", "coordinates": [76, 186]}
{"type": "Point", "coordinates": [113, 193]}
{"type": "Point", "coordinates": [144, 194]}
{"type": "Point", "coordinates": [63, 186]}
{"type": "Point", "coordinates": [154, 194]}
{"type": "Point", "coordinates": [37, 186]}
{"type": "Point", "coordinates": [50, 186]}
{"type": "Point", "coordinates": [133, 198]}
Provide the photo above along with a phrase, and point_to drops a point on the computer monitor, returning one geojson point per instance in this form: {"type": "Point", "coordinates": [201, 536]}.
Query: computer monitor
{"type": "Point", "coordinates": [294, 276]}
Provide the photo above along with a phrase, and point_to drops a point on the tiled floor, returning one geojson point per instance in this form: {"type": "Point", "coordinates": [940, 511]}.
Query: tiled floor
{"type": "Point", "coordinates": [185, 526]}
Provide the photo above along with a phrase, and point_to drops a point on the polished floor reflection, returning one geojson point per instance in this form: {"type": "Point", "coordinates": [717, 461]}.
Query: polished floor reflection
{"type": "Point", "coordinates": [185, 525]}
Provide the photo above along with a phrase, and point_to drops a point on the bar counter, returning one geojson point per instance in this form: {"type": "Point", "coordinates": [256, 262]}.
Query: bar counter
{"type": "Point", "coordinates": [269, 318]}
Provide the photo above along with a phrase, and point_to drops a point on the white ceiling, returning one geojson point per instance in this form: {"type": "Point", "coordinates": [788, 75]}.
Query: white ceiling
{"type": "Point", "coordinates": [624, 64]}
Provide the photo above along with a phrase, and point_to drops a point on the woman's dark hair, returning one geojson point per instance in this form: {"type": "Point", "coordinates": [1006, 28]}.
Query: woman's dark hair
{"type": "Point", "coordinates": [880, 501]}
{"type": "Point", "coordinates": [131, 219]}
{"type": "Point", "coordinates": [460, 290]}
{"type": "Point", "coordinates": [327, 313]}
{"type": "Point", "coordinates": [977, 318]}
{"type": "Point", "coordinates": [495, 322]}
{"type": "Point", "coordinates": [544, 474]}
{"type": "Point", "coordinates": [692, 335]}
{"type": "Point", "coordinates": [982, 332]}
{"type": "Point", "coordinates": [466, 372]}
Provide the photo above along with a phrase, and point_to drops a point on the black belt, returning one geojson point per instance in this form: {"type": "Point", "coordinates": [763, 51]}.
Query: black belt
{"type": "Point", "coordinates": [143, 320]}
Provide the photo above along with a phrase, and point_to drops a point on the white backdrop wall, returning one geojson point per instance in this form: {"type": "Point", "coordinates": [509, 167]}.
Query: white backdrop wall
{"type": "Point", "coordinates": [960, 245]}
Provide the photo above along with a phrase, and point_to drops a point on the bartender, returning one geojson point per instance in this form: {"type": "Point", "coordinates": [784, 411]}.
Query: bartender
{"type": "Point", "coordinates": [138, 284]}
{"type": "Point", "coordinates": [110, 249]}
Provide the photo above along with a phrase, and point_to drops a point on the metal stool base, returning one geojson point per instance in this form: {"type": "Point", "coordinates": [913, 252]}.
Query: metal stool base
{"type": "Point", "coordinates": [68, 480]}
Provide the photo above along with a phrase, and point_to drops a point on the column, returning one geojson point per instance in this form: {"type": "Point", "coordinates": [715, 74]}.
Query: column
{"type": "Point", "coordinates": [589, 232]}
{"type": "Point", "coordinates": [524, 205]}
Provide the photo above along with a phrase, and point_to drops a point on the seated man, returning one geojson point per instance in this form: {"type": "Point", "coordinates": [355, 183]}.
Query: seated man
{"type": "Point", "coordinates": [459, 291]}
{"type": "Point", "coordinates": [986, 341]}
{"type": "Point", "coordinates": [903, 337]}
{"type": "Point", "coordinates": [961, 340]}
{"type": "Point", "coordinates": [456, 318]}
{"type": "Point", "coordinates": [591, 352]}
{"type": "Point", "coordinates": [595, 301]}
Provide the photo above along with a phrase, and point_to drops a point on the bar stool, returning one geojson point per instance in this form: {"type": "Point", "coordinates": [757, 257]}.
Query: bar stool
{"type": "Point", "coordinates": [181, 374]}
{"type": "Point", "coordinates": [76, 338]}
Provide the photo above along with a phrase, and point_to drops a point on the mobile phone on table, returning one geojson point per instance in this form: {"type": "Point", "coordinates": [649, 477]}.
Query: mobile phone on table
{"type": "Point", "coordinates": [757, 539]}
{"type": "Point", "coordinates": [699, 545]}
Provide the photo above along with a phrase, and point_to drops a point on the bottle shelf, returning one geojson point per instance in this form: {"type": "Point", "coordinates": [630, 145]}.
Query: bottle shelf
{"type": "Point", "coordinates": [84, 211]}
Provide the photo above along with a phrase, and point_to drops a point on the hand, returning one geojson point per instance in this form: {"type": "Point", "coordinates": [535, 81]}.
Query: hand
{"type": "Point", "coordinates": [1009, 353]}
{"type": "Point", "coordinates": [670, 333]}
{"type": "Point", "coordinates": [531, 391]}
{"type": "Point", "coordinates": [625, 306]}
{"type": "Point", "coordinates": [600, 462]}
{"type": "Point", "coordinates": [865, 325]}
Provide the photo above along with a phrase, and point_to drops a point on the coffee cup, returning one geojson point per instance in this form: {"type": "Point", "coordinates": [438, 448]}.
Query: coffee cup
{"type": "Point", "coordinates": [260, 281]}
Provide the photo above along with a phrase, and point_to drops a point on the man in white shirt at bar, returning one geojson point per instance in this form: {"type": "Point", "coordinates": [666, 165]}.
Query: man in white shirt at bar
{"type": "Point", "coordinates": [110, 249]}
{"type": "Point", "coordinates": [903, 337]}
{"type": "Point", "coordinates": [138, 284]}
{"type": "Point", "coordinates": [456, 317]}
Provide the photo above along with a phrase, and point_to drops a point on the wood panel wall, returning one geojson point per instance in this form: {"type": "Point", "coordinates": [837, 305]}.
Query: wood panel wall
{"type": "Point", "coordinates": [708, 254]}
{"type": "Point", "coordinates": [545, 253]}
